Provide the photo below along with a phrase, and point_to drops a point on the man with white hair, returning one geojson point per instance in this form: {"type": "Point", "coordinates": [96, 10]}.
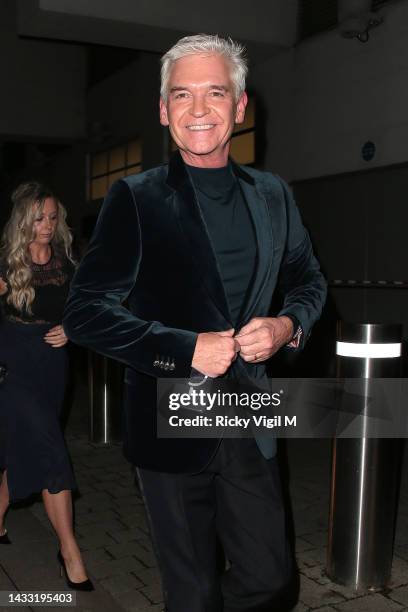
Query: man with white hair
{"type": "Point", "coordinates": [198, 247]}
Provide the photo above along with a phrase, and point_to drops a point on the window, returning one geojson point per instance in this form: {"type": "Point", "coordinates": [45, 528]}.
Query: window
{"type": "Point", "coordinates": [106, 167]}
{"type": "Point", "coordinates": [243, 137]}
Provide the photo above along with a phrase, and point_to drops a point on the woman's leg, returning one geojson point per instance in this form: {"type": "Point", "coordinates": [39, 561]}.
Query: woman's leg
{"type": "Point", "coordinates": [59, 510]}
{"type": "Point", "coordinates": [4, 501]}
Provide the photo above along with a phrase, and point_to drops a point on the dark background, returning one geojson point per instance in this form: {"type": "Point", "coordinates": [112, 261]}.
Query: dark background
{"type": "Point", "coordinates": [83, 79]}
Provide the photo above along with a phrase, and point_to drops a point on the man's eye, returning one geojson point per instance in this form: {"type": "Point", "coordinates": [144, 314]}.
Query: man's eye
{"type": "Point", "coordinates": [183, 94]}
{"type": "Point", "coordinates": [217, 94]}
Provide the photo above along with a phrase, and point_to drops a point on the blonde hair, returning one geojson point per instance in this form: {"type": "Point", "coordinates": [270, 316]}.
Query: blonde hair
{"type": "Point", "coordinates": [28, 199]}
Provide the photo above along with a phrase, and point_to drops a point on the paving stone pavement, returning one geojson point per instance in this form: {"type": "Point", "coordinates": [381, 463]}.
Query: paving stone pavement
{"type": "Point", "coordinates": [112, 532]}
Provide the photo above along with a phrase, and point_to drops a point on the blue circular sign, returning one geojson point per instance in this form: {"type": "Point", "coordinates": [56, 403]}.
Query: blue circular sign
{"type": "Point", "coordinates": [368, 151]}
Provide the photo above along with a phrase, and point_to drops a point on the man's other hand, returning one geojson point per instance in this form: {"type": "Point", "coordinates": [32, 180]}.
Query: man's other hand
{"type": "Point", "coordinates": [262, 337]}
{"type": "Point", "coordinates": [214, 352]}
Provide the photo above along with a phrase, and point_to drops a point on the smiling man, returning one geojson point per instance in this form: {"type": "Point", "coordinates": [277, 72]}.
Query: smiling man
{"type": "Point", "coordinates": [200, 106]}
{"type": "Point", "coordinates": [198, 248]}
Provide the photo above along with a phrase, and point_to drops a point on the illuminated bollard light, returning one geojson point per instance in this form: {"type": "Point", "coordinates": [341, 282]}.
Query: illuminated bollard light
{"type": "Point", "coordinates": [365, 471]}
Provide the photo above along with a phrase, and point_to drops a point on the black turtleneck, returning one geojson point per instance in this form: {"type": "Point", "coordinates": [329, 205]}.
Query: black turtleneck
{"type": "Point", "coordinates": [230, 228]}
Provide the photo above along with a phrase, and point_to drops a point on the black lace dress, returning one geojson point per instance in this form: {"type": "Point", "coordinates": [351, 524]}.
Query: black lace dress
{"type": "Point", "coordinates": [32, 447]}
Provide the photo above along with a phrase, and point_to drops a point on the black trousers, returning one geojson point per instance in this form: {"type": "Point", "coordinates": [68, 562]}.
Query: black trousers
{"type": "Point", "coordinates": [238, 498]}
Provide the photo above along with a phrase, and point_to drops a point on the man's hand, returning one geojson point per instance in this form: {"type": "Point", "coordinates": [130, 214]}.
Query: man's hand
{"type": "Point", "coordinates": [56, 337]}
{"type": "Point", "coordinates": [214, 352]}
{"type": "Point", "coordinates": [262, 337]}
{"type": "Point", "coordinates": [3, 287]}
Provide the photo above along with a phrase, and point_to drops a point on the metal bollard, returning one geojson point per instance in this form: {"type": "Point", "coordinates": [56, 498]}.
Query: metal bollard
{"type": "Point", "coordinates": [105, 378]}
{"type": "Point", "coordinates": [365, 471]}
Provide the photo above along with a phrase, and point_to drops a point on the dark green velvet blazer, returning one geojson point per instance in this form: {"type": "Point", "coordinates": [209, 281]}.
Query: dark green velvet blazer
{"type": "Point", "coordinates": [151, 247]}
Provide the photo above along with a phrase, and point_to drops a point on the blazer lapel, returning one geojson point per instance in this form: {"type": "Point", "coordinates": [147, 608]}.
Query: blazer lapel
{"type": "Point", "coordinates": [195, 233]}
{"type": "Point", "coordinates": [258, 209]}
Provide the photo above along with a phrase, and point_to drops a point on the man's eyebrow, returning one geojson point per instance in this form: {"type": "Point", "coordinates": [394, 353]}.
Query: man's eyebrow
{"type": "Point", "coordinates": [186, 88]}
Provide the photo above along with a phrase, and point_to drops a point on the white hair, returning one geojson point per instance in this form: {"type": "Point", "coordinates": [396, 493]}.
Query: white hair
{"type": "Point", "coordinates": [232, 51]}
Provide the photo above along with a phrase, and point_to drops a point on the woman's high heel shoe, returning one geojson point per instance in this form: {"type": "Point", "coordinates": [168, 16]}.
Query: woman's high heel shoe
{"type": "Point", "coordinates": [4, 539]}
{"type": "Point", "coordinates": [85, 585]}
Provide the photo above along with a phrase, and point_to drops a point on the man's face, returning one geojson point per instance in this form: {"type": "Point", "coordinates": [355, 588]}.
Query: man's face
{"type": "Point", "coordinates": [201, 109]}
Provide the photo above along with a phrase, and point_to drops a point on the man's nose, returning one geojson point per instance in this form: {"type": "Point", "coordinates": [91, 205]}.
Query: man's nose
{"type": "Point", "coordinates": [199, 106]}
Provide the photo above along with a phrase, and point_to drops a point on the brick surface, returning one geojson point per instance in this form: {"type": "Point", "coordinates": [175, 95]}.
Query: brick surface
{"type": "Point", "coordinates": [316, 573]}
{"type": "Point", "coordinates": [114, 536]}
{"type": "Point", "coordinates": [134, 601]}
{"type": "Point", "coordinates": [95, 540]}
{"type": "Point", "coordinates": [400, 595]}
{"type": "Point", "coordinates": [315, 595]}
{"type": "Point", "coordinates": [127, 549]}
{"type": "Point", "coordinates": [153, 592]}
{"type": "Point", "coordinates": [347, 592]}
{"type": "Point", "coordinates": [399, 574]}
{"type": "Point", "coordinates": [319, 538]}
{"type": "Point", "coordinates": [127, 535]}
{"type": "Point", "coordinates": [370, 603]}
{"type": "Point", "coordinates": [150, 576]}
{"type": "Point", "coordinates": [114, 567]}
{"type": "Point", "coordinates": [122, 583]}
{"type": "Point", "coordinates": [312, 558]}
{"type": "Point", "coordinates": [103, 517]}
{"type": "Point", "coordinates": [323, 609]}
{"type": "Point", "coordinates": [300, 607]}
{"type": "Point", "coordinates": [302, 545]}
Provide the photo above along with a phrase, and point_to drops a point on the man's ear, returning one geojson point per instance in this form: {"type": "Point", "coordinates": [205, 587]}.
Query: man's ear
{"type": "Point", "coordinates": [241, 106]}
{"type": "Point", "coordinates": [163, 113]}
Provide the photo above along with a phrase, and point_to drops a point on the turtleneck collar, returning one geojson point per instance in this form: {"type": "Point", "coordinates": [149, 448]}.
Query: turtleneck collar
{"type": "Point", "coordinates": [213, 182]}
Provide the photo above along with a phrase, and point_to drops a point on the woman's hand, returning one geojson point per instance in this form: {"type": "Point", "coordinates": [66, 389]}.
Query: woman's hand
{"type": "Point", "coordinates": [3, 286]}
{"type": "Point", "coordinates": [56, 337]}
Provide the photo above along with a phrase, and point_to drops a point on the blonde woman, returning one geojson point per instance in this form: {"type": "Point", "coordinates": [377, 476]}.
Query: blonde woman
{"type": "Point", "coordinates": [36, 267]}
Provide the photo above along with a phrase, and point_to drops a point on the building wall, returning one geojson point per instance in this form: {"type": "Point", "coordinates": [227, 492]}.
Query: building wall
{"type": "Point", "coordinates": [322, 101]}
{"type": "Point", "coordinates": [125, 105]}
{"type": "Point", "coordinates": [329, 95]}
{"type": "Point", "coordinates": [43, 84]}
{"type": "Point", "coordinates": [266, 22]}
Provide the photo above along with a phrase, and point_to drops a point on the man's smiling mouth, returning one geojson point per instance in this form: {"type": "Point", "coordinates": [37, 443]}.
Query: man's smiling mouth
{"type": "Point", "coordinates": [204, 126]}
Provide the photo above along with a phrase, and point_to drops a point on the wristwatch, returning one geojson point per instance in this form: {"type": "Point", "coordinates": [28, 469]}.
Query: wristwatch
{"type": "Point", "coordinates": [297, 331]}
